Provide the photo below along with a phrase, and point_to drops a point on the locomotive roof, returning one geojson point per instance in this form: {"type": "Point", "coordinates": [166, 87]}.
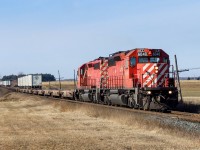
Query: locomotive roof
{"type": "Point", "coordinates": [128, 52]}
{"type": "Point", "coordinates": [119, 52]}
{"type": "Point", "coordinates": [100, 58]}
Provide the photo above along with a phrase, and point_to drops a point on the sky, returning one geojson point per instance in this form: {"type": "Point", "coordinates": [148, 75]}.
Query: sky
{"type": "Point", "coordinates": [44, 36]}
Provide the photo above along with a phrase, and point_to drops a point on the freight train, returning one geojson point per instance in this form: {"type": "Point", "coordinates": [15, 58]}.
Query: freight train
{"type": "Point", "coordinates": [30, 81]}
{"type": "Point", "coordinates": [140, 78]}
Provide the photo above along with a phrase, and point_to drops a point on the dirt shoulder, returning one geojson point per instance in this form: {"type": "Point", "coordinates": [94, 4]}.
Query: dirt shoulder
{"type": "Point", "coordinates": [4, 91]}
{"type": "Point", "coordinates": [28, 122]}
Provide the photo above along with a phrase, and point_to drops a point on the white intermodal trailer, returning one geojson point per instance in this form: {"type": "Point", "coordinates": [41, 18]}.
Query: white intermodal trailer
{"type": "Point", "coordinates": [30, 81]}
{"type": "Point", "coordinates": [6, 83]}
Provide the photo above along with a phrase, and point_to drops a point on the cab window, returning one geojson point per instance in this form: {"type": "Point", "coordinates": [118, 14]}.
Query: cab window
{"type": "Point", "coordinates": [143, 60]}
{"type": "Point", "coordinates": [154, 59]}
{"type": "Point", "coordinates": [111, 62]}
{"type": "Point", "coordinates": [96, 66]}
{"type": "Point", "coordinates": [90, 65]}
{"type": "Point", "coordinates": [82, 71]}
{"type": "Point", "coordinates": [133, 61]}
{"type": "Point", "coordinates": [165, 60]}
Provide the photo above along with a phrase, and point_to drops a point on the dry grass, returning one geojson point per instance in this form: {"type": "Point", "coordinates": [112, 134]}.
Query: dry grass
{"type": "Point", "coordinates": [191, 96]}
{"type": "Point", "coordinates": [190, 88]}
{"type": "Point", "coordinates": [39, 123]}
{"type": "Point", "coordinates": [65, 85]}
{"type": "Point", "coordinates": [135, 119]}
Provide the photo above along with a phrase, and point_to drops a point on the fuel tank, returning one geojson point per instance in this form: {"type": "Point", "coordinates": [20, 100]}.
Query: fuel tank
{"type": "Point", "coordinates": [118, 99]}
{"type": "Point", "coordinates": [86, 97]}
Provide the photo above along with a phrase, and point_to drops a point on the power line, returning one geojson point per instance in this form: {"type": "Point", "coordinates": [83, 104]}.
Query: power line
{"type": "Point", "coordinates": [184, 70]}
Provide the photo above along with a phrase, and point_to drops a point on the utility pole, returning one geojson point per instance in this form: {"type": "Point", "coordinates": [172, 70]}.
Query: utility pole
{"type": "Point", "coordinates": [49, 85]}
{"type": "Point", "coordinates": [59, 79]}
{"type": "Point", "coordinates": [178, 78]}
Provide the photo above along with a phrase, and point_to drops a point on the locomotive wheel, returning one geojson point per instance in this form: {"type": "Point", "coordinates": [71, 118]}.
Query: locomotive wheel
{"type": "Point", "coordinates": [131, 105]}
{"type": "Point", "coordinates": [76, 96]}
{"type": "Point", "coordinates": [131, 102]}
{"type": "Point", "coordinates": [109, 103]}
{"type": "Point", "coordinates": [105, 100]}
{"type": "Point", "coordinates": [136, 107]}
{"type": "Point", "coordinates": [79, 99]}
{"type": "Point", "coordinates": [94, 99]}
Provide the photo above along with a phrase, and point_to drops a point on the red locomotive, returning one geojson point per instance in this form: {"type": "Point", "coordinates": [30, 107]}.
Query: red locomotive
{"type": "Point", "coordinates": [138, 78]}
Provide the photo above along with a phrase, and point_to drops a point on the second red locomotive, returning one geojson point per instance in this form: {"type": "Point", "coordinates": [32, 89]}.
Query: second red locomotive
{"type": "Point", "coordinates": [138, 78]}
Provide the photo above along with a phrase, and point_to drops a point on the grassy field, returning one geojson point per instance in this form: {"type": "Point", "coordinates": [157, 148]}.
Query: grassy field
{"type": "Point", "coordinates": [29, 122]}
{"type": "Point", "coordinates": [55, 85]}
{"type": "Point", "coordinates": [190, 88]}
{"type": "Point", "coordinates": [191, 96]}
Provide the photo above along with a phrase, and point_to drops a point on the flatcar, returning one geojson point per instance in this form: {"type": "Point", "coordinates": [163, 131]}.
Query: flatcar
{"type": "Point", "coordinates": [140, 78]}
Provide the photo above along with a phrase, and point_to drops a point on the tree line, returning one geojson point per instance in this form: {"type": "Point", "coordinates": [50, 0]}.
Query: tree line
{"type": "Point", "coordinates": [193, 78]}
{"type": "Point", "coordinates": [45, 77]}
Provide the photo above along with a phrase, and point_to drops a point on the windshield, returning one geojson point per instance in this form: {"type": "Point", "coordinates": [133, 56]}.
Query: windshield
{"type": "Point", "coordinates": [154, 59]}
{"type": "Point", "coordinates": [149, 60]}
{"type": "Point", "coordinates": [143, 60]}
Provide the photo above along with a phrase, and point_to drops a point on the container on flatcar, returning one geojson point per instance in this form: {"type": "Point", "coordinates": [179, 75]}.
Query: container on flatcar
{"type": "Point", "coordinates": [6, 83]}
{"type": "Point", "coordinates": [30, 81]}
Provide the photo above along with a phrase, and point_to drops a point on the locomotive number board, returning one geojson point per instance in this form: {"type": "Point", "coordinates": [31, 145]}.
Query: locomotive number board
{"type": "Point", "coordinates": [142, 54]}
{"type": "Point", "coordinates": [151, 53]}
{"type": "Point", "coordinates": [156, 53]}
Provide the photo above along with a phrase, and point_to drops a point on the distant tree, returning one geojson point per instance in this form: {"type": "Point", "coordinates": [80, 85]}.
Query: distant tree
{"type": "Point", "coordinates": [48, 77]}
{"type": "Point", "coordinates": [188, 78]}
{"type": "Point", "coordinates": [9, 77]}
{"type": "Point", "coordinates": [20, 74]}
{"type": "Point", "coordinates": [198, 78]}
{"type": "Point", "coordinates": [45, 77]}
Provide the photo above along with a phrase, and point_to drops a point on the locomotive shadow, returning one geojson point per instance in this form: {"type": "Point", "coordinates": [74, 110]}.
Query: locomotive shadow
{"type": "Point", "coordinates": [188, 107]}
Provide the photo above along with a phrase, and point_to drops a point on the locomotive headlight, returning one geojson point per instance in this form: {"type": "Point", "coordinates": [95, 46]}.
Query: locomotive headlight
{"type": "Point", "coordinates": [156, 69]}
{"type": "Point", "coordinates": [149, 92]}
{"type": "Point", "coordinates": [170, 92]}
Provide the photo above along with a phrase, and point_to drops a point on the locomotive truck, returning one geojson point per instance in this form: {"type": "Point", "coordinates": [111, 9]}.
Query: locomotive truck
{"type": "Point", "coordinates": [140, 78]}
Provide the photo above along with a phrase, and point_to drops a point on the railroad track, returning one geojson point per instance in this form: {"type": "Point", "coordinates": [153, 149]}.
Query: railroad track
{"type": "Point", "coordinates": [190, 117]}
{"type": "Point", "coordinates": [186, 116]}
